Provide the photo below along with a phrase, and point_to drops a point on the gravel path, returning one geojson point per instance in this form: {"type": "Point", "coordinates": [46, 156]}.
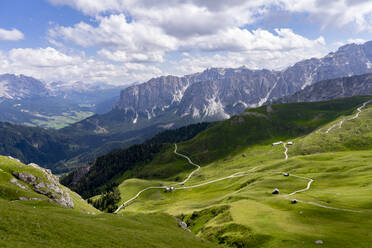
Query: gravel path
{"type": "Point", "coordinates": [339, 125]}
{"type": "Point", "coordinates": [242, 174]}
{"type": "Point", "coordinates": [286, 151]}
{"type": "Point", "coordinates": [190, 162]}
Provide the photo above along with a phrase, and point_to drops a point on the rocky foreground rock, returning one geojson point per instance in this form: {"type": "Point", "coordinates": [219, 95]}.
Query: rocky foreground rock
{"type": "Point", "coordinates": [50, 187]}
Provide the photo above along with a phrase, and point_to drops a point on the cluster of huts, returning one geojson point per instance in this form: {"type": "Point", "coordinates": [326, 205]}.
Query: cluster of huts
{"type": "Point", "coordinates": [281, 142]}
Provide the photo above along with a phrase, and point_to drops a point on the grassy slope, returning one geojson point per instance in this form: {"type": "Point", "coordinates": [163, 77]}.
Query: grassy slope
{"type": "Point", "coordinates": [11, 192]}
{"type": "Point", "coordinates": [41, 224]}
{"type": "Point", "coordinates": [22, 225]}
{"type": "Point", "coordinates": [259, 126]}
{"type": "Point", "coordinates": [256, 218]}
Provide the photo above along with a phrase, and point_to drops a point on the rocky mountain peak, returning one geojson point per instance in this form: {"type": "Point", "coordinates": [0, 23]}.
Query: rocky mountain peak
{"type": "Point", "coordinates": [217, 93]}
{"type": "Point", "coordinates": [20, 86]}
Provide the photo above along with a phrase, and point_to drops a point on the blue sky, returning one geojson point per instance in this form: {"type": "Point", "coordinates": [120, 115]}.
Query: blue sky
{"type": "Point", "coordinates": [126, 41]}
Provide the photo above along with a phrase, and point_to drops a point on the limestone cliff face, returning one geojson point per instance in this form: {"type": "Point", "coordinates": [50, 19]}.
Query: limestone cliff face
{"type": "Point", "coordinates": [218, 93]}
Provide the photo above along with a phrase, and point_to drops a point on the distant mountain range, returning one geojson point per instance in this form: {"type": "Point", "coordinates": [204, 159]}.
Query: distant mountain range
{"type": "Point", "coordinates": [26, 100]}
{"type": "Point", "coordinates": [171, 102]}
{"type": "Point", "coordinates": [219, 93]}
{"type": "Point", "coordinates": [17, 87]}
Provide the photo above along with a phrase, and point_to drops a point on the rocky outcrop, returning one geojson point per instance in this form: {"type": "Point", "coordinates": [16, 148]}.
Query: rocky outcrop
{"type": "Point", "coordinates": [50, 187]}
{"type": "Point", "coordinates": [29, 199]}
{"type": "Point", "coordinates": [25, 177]}
{"type": "Point", "coordinates": [183, 225]}
{"type": "Point", "coordinates": [15, 181]}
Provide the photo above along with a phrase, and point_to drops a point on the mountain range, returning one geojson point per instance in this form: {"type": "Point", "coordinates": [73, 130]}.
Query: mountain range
{"type": "Point", "coordinates": [217, 93]}
{"type": "Point", "coordinates": [26, 100]}
{"type": "Point", "coordinates": [163, 103]}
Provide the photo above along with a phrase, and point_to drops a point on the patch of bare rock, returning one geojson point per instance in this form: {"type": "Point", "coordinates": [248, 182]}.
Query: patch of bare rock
{"type": "Point", "coordinates": [50, 188]}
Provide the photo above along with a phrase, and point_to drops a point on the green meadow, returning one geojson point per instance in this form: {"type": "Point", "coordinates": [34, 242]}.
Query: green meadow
{"type": "Point", "coordinates": [238, 211]}
{"type": "Point", "coordinates": [44, 224]}
{"type": "Point", "coordinates": [243, 212]}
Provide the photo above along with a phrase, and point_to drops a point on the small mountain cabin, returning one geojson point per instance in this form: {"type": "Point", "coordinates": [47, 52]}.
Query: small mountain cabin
{"type": "Point", "coordinates": [277, 143]}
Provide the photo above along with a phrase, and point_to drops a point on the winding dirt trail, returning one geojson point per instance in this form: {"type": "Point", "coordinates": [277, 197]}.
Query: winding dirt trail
{"type": "Point", "coordinates": [136, 196]}
{"type": "Point", "coordinates": [242, 174]}
{"type": "Point", "coordinates": [305, 189]}
{"type": "Point", "coordinates": [235, 175]}
{"type": "Point", "coordinates": [339, 124]}
{"type": "Point", "coordinates": [285, 151]}
{"type": "Point", "coordinates": [190, 162]}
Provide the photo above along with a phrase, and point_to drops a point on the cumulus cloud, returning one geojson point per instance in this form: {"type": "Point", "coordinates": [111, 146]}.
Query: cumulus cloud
{"type": "Point", "coordinates": [340, 13]}
{"type": "Point", "coordinates": [134, 38]}
{"type": "Point", "coordinates": [349, 41]}
{"type": "Point", "coordinates": [241, 40]}
{"type": "Point", "coordinates": [42, 57]}
{"type": "Point", "coordinates": [357, 13]}
{"type": "Point", "coordinates": [13, 34]}
{"type": "Point", "coordinates": [252, 59]}
{"type": "Point", "coordinates": [50, 65]}
{"type": "Point", "coordinates": [119, 40]}
{"type": "Point", "coordinates": [147, 42]}
{"type": "Point", "coordinates": [356, 41]}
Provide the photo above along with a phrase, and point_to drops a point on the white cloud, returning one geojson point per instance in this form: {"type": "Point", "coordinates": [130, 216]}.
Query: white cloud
{"type": "Point", "coordinates": [236, 39]}
{"type": "Point", "coordinates": [49, 64]}
{"type": "Point", "coordinates": [150, 37]}
{"type": "Point", "coordinates": [349, 41]}
{"type": "Point", "coordinates": [133, 38]}
{"type": "Point", "coordinates": [119, 40]}
{"type": "Point", "coordinates": [356, 41]}
{"type": "Point", "coordinates": [252, 59]}
{"type": "Point", "coordinates": [180, 17]}
{"type": "Point", "coordinates": [139, 57]}
{"type": "Point", "coordinates": [13, 34]}
{"type": "Point", "coordinates": [42, 57]}
{"type": "Point", "coordinates": [339, 13]}
{"type": "Point", "coordinates": [258, 49]}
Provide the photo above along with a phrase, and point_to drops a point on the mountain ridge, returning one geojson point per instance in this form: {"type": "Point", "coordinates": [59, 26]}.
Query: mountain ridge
{"type": "Point", "coordinates": [217, 91]}
{"type": "Point", "coordinates": [332, 89]}
{"type": "Point", "coordinates": [26, 100]}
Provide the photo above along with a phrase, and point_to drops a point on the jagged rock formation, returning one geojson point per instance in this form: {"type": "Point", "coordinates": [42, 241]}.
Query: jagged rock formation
{"type": "Point", "coordinates": [332, 89]}
{"type": "Point", "coordinates": [214, 94]}
{"type": "Point", "coordinates": [50, 188]}
{"type": "Point", "coordinates": [218, 93]}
